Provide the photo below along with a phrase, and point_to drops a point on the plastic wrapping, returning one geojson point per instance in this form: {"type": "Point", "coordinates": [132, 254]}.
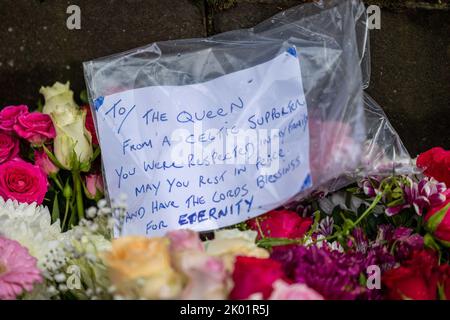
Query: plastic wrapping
{"type": "Point", "coordinates": [313, 22]}
{"type": "Point", "coordinates": [331, 45]}
{"type": "Point", "coordinates": [383, 154]}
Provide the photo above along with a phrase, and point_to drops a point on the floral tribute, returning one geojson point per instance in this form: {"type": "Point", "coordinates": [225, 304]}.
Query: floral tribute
{"type": "Point", "coordinates": [381, 238]}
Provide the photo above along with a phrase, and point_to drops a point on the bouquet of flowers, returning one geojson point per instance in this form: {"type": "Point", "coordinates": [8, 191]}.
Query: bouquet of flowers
{"type": "Point", "coordinates": [382, 238]}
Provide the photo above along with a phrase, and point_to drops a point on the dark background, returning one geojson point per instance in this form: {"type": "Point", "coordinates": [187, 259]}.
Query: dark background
{"type": "Point", "coordinates": [410, 54]}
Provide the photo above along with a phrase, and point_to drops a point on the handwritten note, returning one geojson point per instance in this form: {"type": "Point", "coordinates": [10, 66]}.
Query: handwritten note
{"type": "Point", "coordinates": [207, 155]}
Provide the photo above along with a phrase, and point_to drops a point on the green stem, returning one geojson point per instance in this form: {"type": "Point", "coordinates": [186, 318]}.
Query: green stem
{"type": "Point", "coordinates": [78, 194]}
{"type": "Point", "coordinates": [259, 228]}
{"type": "Point", "coordinates": [66, 211]}
{"type": "Point", "coordinates": [368, 210]}
{"type": "Point", "coordinates": [56, 179]}
{"type": "Point", "coordinates": [361, 217]}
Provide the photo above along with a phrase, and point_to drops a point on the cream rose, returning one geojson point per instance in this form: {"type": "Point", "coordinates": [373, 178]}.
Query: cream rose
{"type": "Point", "coordinates": [73, 142]}
{"type": "Point", "coordinates": [228, 244]}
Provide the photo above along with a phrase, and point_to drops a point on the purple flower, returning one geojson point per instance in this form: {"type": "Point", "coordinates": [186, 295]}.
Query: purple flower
{"type": "Point", "coordinates": [326, 226]}
{"type": "Point", "coordinates": [370, 185]}
{"type": "Point", "coordinates": [361, 242]}
{"type": "Point", "coordinates": [333, 274]}
{"type": "Point", "coordinates": [402, 240]}
{"type": "Point", "coordinates": [420, 196]}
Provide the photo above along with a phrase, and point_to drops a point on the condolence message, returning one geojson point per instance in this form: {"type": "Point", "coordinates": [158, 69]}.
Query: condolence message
{"type": "Point", "coordinates": [207, 155]}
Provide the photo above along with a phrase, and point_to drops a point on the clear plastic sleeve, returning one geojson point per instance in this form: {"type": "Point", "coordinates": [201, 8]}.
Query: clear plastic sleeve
{"type": "Point", "coordinates": [383, 154]}
{"type": "Point", "coordinates": [332, 47]}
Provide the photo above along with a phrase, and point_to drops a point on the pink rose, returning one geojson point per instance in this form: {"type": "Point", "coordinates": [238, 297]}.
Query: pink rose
{"type": "Point", "coordinates": [42, 160]}
{"type": "Point", "coordinates": [35, 127]}
{"type": "Point", "coordinates": [22, 181]}
{"type": "Point", "coordinates": [94, 186]}
{"type": "Point", "coordinates": [9, 147]}
{"type": "Point", "coordinates": [9, 115]}
{"type": "Point", "coordinates": [296, 291]}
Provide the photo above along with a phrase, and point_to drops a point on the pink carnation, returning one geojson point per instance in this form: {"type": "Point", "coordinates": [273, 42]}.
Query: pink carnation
{"type": "Point", "coordinates": [37, 128]}
{"type": "Point", "coordinates": [9, 115]}
{"type": "Point", "coordinates": [18, 270]}
{"type": "Point", "coordinates": [22, 181]}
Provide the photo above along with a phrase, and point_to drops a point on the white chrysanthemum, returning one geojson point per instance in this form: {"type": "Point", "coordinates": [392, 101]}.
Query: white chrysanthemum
{"type": "Point", "coordinates": [31, 226]}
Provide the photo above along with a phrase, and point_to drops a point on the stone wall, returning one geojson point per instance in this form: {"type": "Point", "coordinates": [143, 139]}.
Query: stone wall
{"type": "Point", "coordinates": [410, 54]}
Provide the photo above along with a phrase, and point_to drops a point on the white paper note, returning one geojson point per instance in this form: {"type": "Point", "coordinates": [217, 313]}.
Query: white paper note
{"type": "Point", "coordinates": [207, 155]}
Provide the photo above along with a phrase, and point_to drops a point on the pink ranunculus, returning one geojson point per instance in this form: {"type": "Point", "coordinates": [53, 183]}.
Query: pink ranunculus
{"type": "Point", "coordinates": [94, 185]}
{"type": "Point", "coordinates": [42, 160]}
{"type": "Point", "coordinates": [22, 181]}
{"type": "Point", "coordinates": [185, 239]}
{"type": "Point", "coordinates": [9, 115]}
{"type": "Point", "coordinates": [37, 128]}
{"type": "Point", "coordinates": [295, 291]}
{"type": "Point", "coordinates": [18, 269]}
{"type": "Point", "coordinates": [9, 147]}
{"type": "Point", "coordinates": [206, 276]}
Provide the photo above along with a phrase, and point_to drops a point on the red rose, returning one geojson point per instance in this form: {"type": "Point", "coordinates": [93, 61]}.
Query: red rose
{"type": "Point", "coordinates": [438, 221]}
{"type": "Point", "coordinates": [436, 163]}
{"type": "Point", "coordinates": [9, 147]}
{"type": "Point", "coordinates": [280, 224]}
{"type": "Point", "coordinates": [444, 282]}
{"type": "Point", "coordinates": [254, 275]}
{"type": "Point", "coordinates": [9, 115]}
{"type": "Point", "coordinates": [90, 124]}
{"type": "Point", "coordinates": [37, 128]}
{"type": "Point", "coordinates": [22, 181]}
{"type": "Point", "coordinates": [416, 279]}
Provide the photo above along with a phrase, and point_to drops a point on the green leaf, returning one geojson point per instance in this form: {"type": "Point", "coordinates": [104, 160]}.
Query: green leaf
{"type": "Point", "coordinates": [353, 190]}
{"type": "Point", "coordinates": [395, 203]}
{"type": "Point", "coordinates": [95, 154]}
{"type": "Point", "coordinates": [274, 242]}
{"type": "Point", "coordinates": [83, 96]}
{"type": "Point", "coordinates": [40, 105]}
{"type": "Point", "coordinates": [55, 209]}
{"type": "Point", "coordinates": [430, 242]}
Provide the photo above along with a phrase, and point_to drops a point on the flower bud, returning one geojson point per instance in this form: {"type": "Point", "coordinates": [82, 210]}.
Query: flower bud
{"type": "Point", "coordinates": [437, 221]}
{"type": "Point", "coordinates": [42, 160]}
{"type": "Point", "coordinates": [67, 192]}
{"type": "Point", "coordinates": [94, 186]}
